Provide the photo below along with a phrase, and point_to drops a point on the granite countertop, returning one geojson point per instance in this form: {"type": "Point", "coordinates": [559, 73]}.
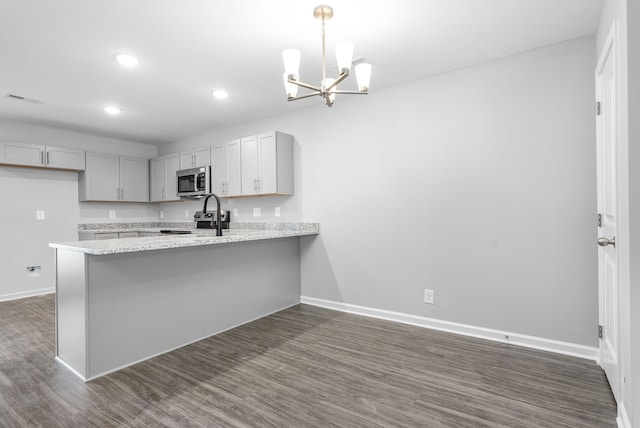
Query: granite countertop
{"type": "Point", "coordinates": [239, 232]}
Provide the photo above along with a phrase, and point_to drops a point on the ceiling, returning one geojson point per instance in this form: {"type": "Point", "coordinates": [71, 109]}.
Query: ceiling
{"type": "Point", "coordinates": [62, 52]}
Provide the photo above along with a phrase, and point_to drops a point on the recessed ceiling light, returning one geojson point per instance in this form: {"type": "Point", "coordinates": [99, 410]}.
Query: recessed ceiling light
{"type": "Point", "coordinates": [112, 109]}
{"type": "Point", "coordinates": [219, 94]}
{"type": "Point", "coordinates": [126, 59]}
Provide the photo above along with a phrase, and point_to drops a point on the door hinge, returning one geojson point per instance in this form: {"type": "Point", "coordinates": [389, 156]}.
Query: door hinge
{"type": "Point", "coordinates": [599, 332]}
{"type": "Point", "coordinates": [598, 111]}
{"type": "Point", "coordinates": [599, 220]}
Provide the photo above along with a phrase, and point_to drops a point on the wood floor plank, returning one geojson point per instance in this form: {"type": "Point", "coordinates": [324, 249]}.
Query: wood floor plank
{"type": "Point", "coordinates": [302, 367]}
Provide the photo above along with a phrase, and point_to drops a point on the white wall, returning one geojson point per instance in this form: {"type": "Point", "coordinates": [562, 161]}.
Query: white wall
{"type": "Point", "coordinates": [23, 239]}
{"type": "Point", "coordinates": [478, 184]}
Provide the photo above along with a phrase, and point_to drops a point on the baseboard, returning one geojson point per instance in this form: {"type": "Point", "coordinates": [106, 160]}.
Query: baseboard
{"type": "Point", "coordinates": [23, 294]}
{"type": "Point", "coordinates": [623, 418]}
{"type": "Point", "coordinates": [565, 348]}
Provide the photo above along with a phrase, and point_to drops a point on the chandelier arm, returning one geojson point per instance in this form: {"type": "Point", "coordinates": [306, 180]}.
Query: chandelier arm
{"type": "Point", "coordinates": [299, 97]}
{"type": "Point", "coordinates": [305, 85]}
{"type": "Point", "coordinates": [350, 92]}
{"type": "Point", "coordinates": [337, 81]}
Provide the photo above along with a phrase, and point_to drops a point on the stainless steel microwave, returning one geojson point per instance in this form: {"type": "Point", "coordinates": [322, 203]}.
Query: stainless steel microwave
{"type": "Point", "coordinates": [194, 182]}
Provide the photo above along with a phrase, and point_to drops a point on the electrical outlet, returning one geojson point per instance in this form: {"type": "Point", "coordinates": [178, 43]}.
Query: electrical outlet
{"type": "Point", "coordinates": [186, 213]}
{"type": "Point", "coordinates": [161, 214]}
{"type": "Point", "coordinates": [277, 211]}
{"type": "Point", "coordinates": [256, 212]}
{"type": "Point", "coordinates": [235, 212]}
{"type": "Point", "coordinates": [39, 215]}
{"type": "Point", "coordinates": [112, 213]}
{"type": "Point", "coordinates": [428, 296]}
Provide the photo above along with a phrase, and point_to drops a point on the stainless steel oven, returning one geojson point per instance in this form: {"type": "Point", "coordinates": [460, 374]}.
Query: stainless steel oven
{"type": "Point", "coordinates": [194, 182]}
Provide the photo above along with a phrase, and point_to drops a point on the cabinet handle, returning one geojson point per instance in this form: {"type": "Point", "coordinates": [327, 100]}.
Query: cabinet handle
{"type": "Point", "coordinates": [162, 193]}
{"type": "Point", "coordinates": [259, 184]}
{"type": "Point", "coordinates": [41, 158]}
{"type": "Point", "coordinates": [193, 159]}
{"type": "Point", "coordinates": [47, 159]}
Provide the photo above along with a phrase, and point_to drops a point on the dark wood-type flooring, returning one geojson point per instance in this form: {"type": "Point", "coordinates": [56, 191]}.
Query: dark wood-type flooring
{"type": "Point", "coordinates": [302, 367]}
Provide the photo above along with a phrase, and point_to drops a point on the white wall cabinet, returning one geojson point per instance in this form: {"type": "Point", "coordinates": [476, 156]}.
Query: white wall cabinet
{"type": "Point", "coordinates": [267, 164]}
{"type": "Point", "coordinates": [196, 157]}
{"type": "Point", "coordinates": [41, 156]}
{"type": "Point", "coordinates": [163, 184]}
{"type": "Point", "coordinates": [114, 178]}
{"type": "Point", "coordinates": [226, 165]}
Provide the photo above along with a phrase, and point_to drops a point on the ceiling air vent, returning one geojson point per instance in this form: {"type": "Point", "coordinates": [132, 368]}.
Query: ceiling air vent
{"type": "Point", "coordinates": [20, 98]}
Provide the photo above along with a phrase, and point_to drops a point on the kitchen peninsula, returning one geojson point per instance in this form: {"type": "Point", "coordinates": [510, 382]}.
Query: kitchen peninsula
{"type": "Point", "coordinates": [122, 301]}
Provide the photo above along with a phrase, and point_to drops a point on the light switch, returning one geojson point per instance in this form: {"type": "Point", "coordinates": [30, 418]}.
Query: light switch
{"type": "Point", "coordinates": [112, 213]}
{"type": "Point", "coordinates": [39, 215]}
{"type": "Point", "coordinates": [235, 212]}
{"type": "Point", "coordinates": [277, 211]}
{"type": "Point", "coordinates": [256, 212]}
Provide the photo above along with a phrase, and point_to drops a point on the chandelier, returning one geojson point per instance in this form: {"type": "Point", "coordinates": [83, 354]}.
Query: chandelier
{"type": "Point", "coordinates": [328, 86]}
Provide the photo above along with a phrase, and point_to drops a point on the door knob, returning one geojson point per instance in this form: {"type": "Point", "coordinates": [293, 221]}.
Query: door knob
{"type": "Point", "coordinates": [603, 242]}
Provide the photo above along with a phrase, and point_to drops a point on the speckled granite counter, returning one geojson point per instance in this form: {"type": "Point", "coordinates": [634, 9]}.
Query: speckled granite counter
{"type": "Point", "coordinates": [238, 232]}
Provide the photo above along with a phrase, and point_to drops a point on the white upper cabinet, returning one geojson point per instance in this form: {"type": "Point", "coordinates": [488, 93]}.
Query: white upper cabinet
{"type": "Point", "coordinates": [267, 164]}
{"type": "Point", "coordinates": [164, 182]}
{"type": "Point", "coordinates": [58, 157]}
{"type": "Point", "coordinates": [114, 178]}
{"type": "Point", "coordinates": [41, 156]}
{"type": "Point", "coordinates": [226, 174]}
{"type": "Point", "coordinates": [196, 157]}
{"type": "Point", "coordinates": [134, 179]}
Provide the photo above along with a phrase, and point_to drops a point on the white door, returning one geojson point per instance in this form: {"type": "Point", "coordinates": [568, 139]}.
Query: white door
{"type": "Point", "coordinates": [607, 161]}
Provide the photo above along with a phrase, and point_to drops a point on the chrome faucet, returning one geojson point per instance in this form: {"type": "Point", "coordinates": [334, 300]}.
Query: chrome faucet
{"type": "Point", "coordinates": [218, 212]}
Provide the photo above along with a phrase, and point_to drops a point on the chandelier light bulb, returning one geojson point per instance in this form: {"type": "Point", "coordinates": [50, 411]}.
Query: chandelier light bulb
{"type": "Point", "coordinates": [291, 58]}
{"type": "Point", "coordinates": [363, 76]}
{"type": "Point", "coordinates": [344, 56]}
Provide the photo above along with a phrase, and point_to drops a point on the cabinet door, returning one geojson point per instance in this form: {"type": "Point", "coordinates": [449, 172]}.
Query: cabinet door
{"type": "Point", "coordinates": [57, 157]}
{"type": "Point", "coordinates": [267, 164]}
{"type": "Point", "coordinates": [22, 154]}
{"type": "Point", "coordinates": [202, 156]}
{"type": "Point", "coordinates": [249, 162]}
{"type": "Point", "coordinates": [187, 160]}
{"type": "Point", "coordinates": [171, 166]}
{"type": "Point", "coordinates": [134, 179]}
{"type": "Point", "coordinates": [194, 158]}
{"type": "Point", "coordinates": [234, 168]}
{"type": "Point", "coordinates": [157, 179]}
{"type": "Point", "coordinates": [101, 179]}
{"type": "Point", "coordinates": [218, 169]}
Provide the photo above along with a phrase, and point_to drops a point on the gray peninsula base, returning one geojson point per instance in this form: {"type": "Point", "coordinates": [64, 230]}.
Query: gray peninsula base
{"type": "Point", "coordinates": [119, 309]}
